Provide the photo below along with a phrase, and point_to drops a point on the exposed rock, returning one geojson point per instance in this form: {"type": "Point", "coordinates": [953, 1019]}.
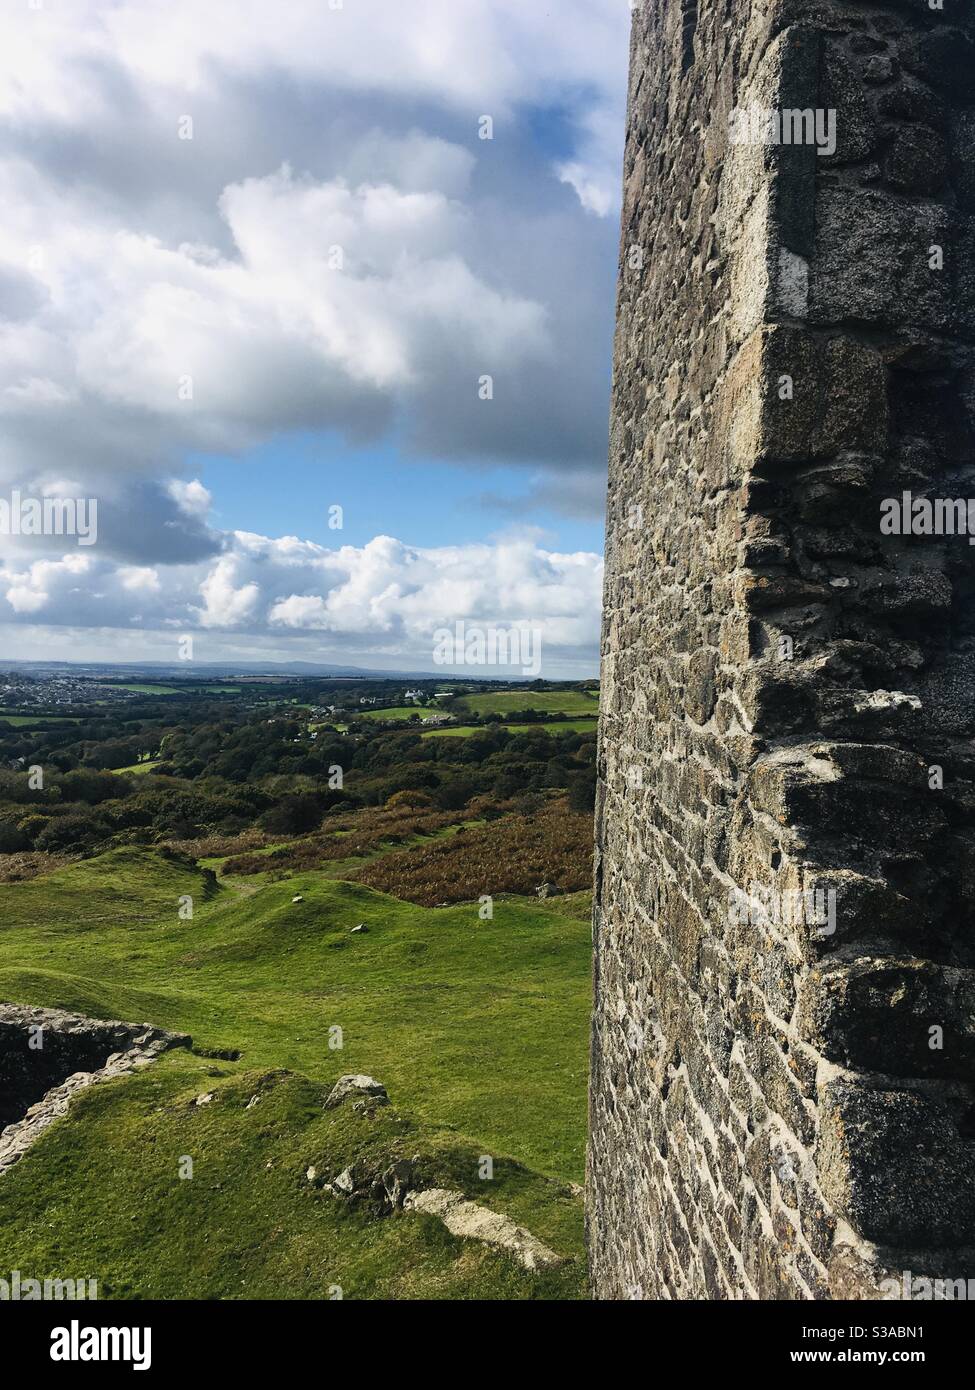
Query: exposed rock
{"type": "Point", "coordinates": [397, 1180]}
{"type": "Point", "coordinates": [360, 930]}
{"type": "Point", "coordinates": [390, 1189]}
{"type": "Point", "coordinates": [357, 1085]}
{"type": "Point", "coordinates": [547, 890]}
{"type": "Point", "coordinates": [345, 1183]}
{"type": "Point", "coordinates": [39, 1083]}
{"type": "Point", "coordinates": [471, 1221]}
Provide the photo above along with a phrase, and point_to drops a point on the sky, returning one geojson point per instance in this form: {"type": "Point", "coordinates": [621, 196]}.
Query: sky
{"type": "Point", "coordinates": [314, 299]}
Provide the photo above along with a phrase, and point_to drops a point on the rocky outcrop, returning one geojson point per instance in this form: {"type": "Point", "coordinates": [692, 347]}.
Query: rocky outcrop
{"type": "Point", "coordinates": [382, 1187]}
{"type": "Point", "coordinates": [48, 1056]}
{"type": "Point", "coordinates": [366, 1088]}
{"type": "Point", "coordinates": [470, 1221]}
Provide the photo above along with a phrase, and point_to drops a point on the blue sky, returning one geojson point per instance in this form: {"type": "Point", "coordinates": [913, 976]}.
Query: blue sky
{"type": "Point", "coordinates": [424, 503]}
{"type": "Point", "coordinates": [256, 271]}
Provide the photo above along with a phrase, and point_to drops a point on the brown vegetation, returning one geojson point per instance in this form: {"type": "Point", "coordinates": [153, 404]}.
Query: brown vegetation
{"type": "Point", "coordinates": [512, 855]}
{"type": "Point", "coordinates": [348, 837]}
{"type": "Point", "coordinates": [17, 868]}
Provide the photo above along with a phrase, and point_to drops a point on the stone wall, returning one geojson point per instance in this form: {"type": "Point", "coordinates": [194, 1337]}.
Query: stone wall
{"type": "Point", "coordinates": [783, 1089]}
{"type": "Point", "coordinates": [47, 1056]}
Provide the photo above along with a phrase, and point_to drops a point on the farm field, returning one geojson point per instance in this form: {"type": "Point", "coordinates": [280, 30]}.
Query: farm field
{"type": "Point", "coordinates": [544, 701]}
{"type": "Point", "coordinates": [563, 726]}
{"type": "Point", "coordinates": [147, 689]}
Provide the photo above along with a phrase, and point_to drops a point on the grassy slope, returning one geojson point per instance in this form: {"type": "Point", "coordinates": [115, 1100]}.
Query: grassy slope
{"type": "Point", "coordinates": [478, 1026]}
{"type": "Point", "coordinates": [147, 689]}
{"type": "Point", "coordinates": [101, 1197]}
{"type": "Point", "coordinates": [545, 701]}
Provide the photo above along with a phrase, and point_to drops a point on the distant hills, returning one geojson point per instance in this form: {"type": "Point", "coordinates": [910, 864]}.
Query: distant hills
{"type": "Point", "coordinates": [196, 669]}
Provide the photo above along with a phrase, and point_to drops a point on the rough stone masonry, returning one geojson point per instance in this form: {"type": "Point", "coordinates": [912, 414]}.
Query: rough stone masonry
{"type": "Point", "coordinates": [783, 1097]}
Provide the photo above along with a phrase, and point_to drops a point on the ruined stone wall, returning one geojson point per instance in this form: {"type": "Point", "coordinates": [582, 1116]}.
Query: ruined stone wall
{"type": "Point", "coordinates": [47, 1056]}
{"type": "Point", "coordinates": [783, 1092]}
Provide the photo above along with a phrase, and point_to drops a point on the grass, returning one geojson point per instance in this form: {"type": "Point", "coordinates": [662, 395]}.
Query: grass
{"type": "Point", "coordinates": [564, 726]}
{"type": "Point", "coordinates": [141, 689]}
{"type": "Point", "coordinates": [545, 701]}
{"type": "Point", "coordinates": [24, 719]}
{"type": "Point", "coordinates": [247, 1224]}
{"type": "Point", "coordinates": [146, 689]}
{"type": "Point", "coordinates": [137, 769]}
{"type": "Point", "coordinates": [477, 1028]}
{"type": "Point", "coordinates": [397, 713]}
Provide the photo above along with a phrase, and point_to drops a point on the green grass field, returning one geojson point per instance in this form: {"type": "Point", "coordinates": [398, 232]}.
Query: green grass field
{"type": "Point", "coordinates": [22, 720]}
{"type": "Point", "coordinates": [564, 726]}
{"type": "Point", "coordinates": [546, 702]}
{"type": "Point", "coordinates": [142, 689]}
{"type": "Point", "coordinates": [478, 1029]}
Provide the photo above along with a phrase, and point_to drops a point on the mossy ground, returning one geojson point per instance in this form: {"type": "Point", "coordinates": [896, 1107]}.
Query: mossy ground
{"type": "Point", "coordinates": [477, 1028]}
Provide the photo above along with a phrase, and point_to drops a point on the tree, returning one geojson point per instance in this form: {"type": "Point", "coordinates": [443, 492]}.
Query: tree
{"type": "Point", "coordinates": [295, 815]}
{"type": "Point", "coordinates": [582, 791]}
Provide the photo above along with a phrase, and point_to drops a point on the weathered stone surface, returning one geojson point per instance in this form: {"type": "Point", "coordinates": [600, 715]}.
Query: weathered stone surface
{"type": "Point", "coordinates": [783, 1108]}
{"type": "Point", "coordinates": [893, 1163]}
{"type": "Point", "coordinates": [47, 1056]}
{"type": "Point", "coordinates": [362, 1086]}
{"type": "Point", "coordinates": [471, 1221]}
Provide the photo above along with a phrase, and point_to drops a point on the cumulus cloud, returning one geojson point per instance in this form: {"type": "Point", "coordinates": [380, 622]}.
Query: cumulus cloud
{"type": "Point", "coordinates": [231, 223]}
{"type": "Point", "coordinates": [337, 296]}
{"type": "Point", "coordinates": [384, 597]}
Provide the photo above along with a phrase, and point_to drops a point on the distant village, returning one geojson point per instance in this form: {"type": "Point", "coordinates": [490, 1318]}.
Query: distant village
{"type": "Point", "coordinates": [23, 692]}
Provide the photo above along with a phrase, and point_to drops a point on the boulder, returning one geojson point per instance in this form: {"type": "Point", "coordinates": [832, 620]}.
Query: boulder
{"type": "Point", "coordinates": [356, 1085]}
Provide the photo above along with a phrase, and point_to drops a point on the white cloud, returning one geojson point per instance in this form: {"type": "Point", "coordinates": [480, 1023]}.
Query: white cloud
{"type": "Point", "coordinates": [478, 56]}
{"type": "Point", "coordinates": [224, 603]}
{"type": "Point", "coordinates": [339, 299]}
{"type": "Point", "coordinates": [162, 299]}
{"type": "Point", "coordinates": [384, 597]}
{"type": "Point", "coordinates": [191, 497]}
{"type": "Point", "coordinates": [43, 583]}
{"type": "Point", "coordinates": [139, 579]}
